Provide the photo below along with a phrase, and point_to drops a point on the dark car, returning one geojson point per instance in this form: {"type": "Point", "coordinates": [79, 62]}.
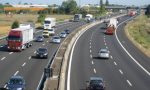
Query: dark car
{"type": "Point", "coordinates": [39, 39]}
{"type": "Point", "coordinates": [96, 83]}
{"type": "Point", "coordinates": [16, 83]}
{"type": "Point", "coordinates": [42, 53]}
{"type": "Point", "coordinates": [67, 31]}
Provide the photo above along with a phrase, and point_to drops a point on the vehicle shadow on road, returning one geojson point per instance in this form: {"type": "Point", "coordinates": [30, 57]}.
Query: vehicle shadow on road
{"type": "Point", "coordinates": [98, 58]}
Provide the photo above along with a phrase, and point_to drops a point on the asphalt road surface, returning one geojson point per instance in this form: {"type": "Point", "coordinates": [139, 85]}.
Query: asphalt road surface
{"type": "Point", "coordinates": [120, 71]}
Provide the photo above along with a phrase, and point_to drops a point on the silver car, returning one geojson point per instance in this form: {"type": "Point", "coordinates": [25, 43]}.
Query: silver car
{"type": "Point", "coordinates": [63, 34]}
{"type": "Point", "coordinates": [56, 39]}
{"type": "Point", "coordinates": [104, 53]}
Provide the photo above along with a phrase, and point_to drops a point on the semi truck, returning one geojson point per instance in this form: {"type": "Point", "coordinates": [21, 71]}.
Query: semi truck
{"type": "Point", "coordinates": [27, 24]}
{"type": "Point", "coordinates": [77, 17]}
{"type": "Point", "coordinates": [131, 12]}
{"type": "Point", "coordinates": [19, 38]}
{"type": "Point", "coordinates": [112, 25]}
{"type": "Point", "coordinates": [49, 23]}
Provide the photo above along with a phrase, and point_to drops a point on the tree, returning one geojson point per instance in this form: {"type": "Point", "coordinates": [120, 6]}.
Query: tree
{"type": "Point", "coordinates": [41, 18]}
{"type": "Point", "coordinates": [15, 24]}
{"type": "Point", "coordinates": [148, 11]}
{"type": "Point", "coordinates": [102, 7]}
{"type": "Point", "coordinates": [107, 3]}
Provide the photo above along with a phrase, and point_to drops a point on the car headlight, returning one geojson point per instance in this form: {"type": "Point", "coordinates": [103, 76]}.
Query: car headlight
{"type": "Point", "coordinates": [45, 54]}
{"type": "Point", "coordinates": [19, 88]}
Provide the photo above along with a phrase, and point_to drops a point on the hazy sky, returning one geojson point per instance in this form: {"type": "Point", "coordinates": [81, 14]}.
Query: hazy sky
{"type": "Point", "coordinates": [82, 2]}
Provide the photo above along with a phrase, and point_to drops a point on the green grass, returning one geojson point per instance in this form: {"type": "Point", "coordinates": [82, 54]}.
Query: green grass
{"type": "Point", "coordinates": [139, 29]}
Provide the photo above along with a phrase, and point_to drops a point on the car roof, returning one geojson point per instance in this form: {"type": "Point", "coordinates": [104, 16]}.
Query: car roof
{"type": "Point", "coordinates": [103, 49]}
{"type": "Point", "coordinates": [96, 78]}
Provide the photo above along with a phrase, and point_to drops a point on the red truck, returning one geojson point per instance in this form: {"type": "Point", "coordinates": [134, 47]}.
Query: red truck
{"type": "Point", "coordinates": [19, 38]}
{"type": "Point", "coordinates": [111, 26]}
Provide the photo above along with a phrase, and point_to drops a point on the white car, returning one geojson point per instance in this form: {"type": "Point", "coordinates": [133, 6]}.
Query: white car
{"type": "Point", "coordinates": [104, 53]}
{"type": "Point", "coordinates": [56, 39]}
{"type": "Point", "coordinates": [51, 31]}
{"type": "Point", "coordinates": [63, 34]}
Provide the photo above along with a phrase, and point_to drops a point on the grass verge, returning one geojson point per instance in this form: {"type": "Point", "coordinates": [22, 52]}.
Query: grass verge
{"type": "Point", "coordinates": [138, 31]}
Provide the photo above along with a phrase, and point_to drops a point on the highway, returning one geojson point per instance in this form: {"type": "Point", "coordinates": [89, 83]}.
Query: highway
{"type": "Point", "coordinates": [120, 72]}
{"type": "Point", "coordinates": [25, 63]}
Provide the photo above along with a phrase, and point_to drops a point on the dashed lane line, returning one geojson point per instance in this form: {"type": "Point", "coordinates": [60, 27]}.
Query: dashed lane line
{"type": "Point", "coordinates": [94, 70]}
{"type": "Point", "coordinates": [92, 62]}
{"type": "Point", "coordinates": [11, 53]}
{"type": "Point", "coordinates": [29, 58]}
{"type": "Point", "coordinates": [129, 83]}
{"type": "Point", "coordinates": [90, 51]}
{"type": "Point", "coordinates": [111, 57]}
{"type": "Point", "coordinates": [23, 64]}
{"type": "Point", "coordinates": [91, 56]}
{"type": "Point", "coordinates": [115, 63]}
{"type": "Point", "coordinates": [120, 71]}
{"type": "Point", "coordinates": [16, 73]}
{"type": "Point", "coordinates": [3, 58]}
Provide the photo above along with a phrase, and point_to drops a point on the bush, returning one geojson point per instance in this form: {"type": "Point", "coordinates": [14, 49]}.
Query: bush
{"type": "Point", "coordinates": [41, 18]}
{"type": "Point", "coordinates": [15, 24]}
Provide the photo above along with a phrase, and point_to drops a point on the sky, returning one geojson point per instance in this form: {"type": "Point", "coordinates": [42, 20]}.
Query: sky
{"type": "Point", "coordinates": [82, 2]}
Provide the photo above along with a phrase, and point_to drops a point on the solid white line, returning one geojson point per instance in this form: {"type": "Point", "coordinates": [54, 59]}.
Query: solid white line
{"type": "Point", "coordinates": [92, 62]}
{"type": "Point", "coordinates": [129, 53]}
{"type": "Point", "coordinates": [29, 58]}
{"type": "Point", "coordinates": [94, 70]}
{"type": "Point", "coordinates": [11, 53]}
{"type": "Point", "coordinates": [115, 63]}
{"type": "Point", "coordinates": [23, 64]}
{"type": "Point", "coordinates": [16, 73]}
{"type": "Point", "coordinates": [3, 58]}
{"type": "Point", "coordinates": [129, 82]}
{"type": "Point", "coordinates": [120, 71]}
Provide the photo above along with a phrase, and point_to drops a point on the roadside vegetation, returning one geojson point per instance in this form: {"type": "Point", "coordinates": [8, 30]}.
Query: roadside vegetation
{"type": "Point", "coordinates": [139, 30]}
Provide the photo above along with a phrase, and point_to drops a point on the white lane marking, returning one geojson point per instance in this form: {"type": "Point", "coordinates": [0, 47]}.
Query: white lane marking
{"type": "Point", "coordinates": [92, 62]}
{"type": "Point", "coordinates": [90, 51]}
{"type": "Point", "coordinates": [104, 36]}
{"type": "Point", "coordinates": [29, 58]}
{"type": "Point", "coordinates": [129, 82]}
{"type": "Point", "coordinates": [43, 44]}
{"type": "Point", "coordinates": [146, 71]}
{"type": "Point", "coordinates": [90, 43]}
{"type": "Point", "coordinates": [106, 47]}
{"type": "Point", "coordinates": [105, 44]}
{"type": "Point", "coordinates": [70, 61]}
{"type": "Point", "coordinates": [3, 58]}
{"type": "Point", "coordinates": [90, 47]}
{"type": "Point", "coordinates": [104, 41]}
{"type": "Point", "coordinates": [91, 56]}
{"type": "Point", "coordinates": [90, 40]}
{"type": "Point", "coordinates": [11, 53]}
{"type": "Point", "coordinates": [115, 63]}
{"type": "Point", "coordinates": [47, 41]}
{"type": "Point", "coordinates": [23, 64]}
{"type": "Point", "coordinates": [111, 57]}
{"type": "Point", "coordinates": [34, 52]}
{"type": "Point", "coordinates": [16, 73]}
{"type": "Point", "coordinates": [94, 70]}
{"type": "Point", "coordinates": [120, 71]}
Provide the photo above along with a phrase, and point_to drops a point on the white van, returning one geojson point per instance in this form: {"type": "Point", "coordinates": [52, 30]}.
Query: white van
{"type": "Point", "coordinates": [49, 23]}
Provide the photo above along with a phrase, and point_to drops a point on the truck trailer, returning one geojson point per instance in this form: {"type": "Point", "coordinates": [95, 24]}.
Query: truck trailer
{"type": "Point", "coordinates": [112, 25]}
{"type": "Point", "coordinates": [77, 17]}
{"type": "Point", "coordinates": [19, 39]}
{"type": "Point", "coordinates": [49, 23]}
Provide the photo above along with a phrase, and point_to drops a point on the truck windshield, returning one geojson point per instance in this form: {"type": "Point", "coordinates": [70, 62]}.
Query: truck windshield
{"type": "Point", "coordinates": [14, 38]}
{"type": "Point", "coordinates": [47, 22]}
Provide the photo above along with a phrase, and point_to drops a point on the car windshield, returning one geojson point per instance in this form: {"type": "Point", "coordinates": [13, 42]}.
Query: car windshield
{"type": "Point", "coordinates": [103, 51]}
{"type": "Point", "coordinates": [42, 50]}
{"type": "Point", "coordinates": [14, 38]}
{"type": "Point", "coordinates": [50, 30]}
{"type": "Point", "coordinates": [56, 37]}
{"type": "Point", "coordinates": [15, 81]}
{"type": "Point", "coordinates": [63, 33]}
{"type": "Point", "coordinates": [39, 37]}
{"type": "Point", "coordinates": [47, 22]}
{"type": "Point", "coordinates": [95, 82]}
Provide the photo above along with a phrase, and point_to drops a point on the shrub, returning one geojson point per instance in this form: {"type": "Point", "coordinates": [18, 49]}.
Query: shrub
{"type": "Point", "coordinates": [15, 24]}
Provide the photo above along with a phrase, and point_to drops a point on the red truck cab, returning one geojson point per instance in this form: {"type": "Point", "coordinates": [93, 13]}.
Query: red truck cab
{"type": "Point", "coordinates": [110, 31]}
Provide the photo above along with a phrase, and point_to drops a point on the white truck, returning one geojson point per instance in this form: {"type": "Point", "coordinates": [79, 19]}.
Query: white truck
{"type": "Point", "coordinates": [49, 23]}
{"type": "Point", "coordinates": [89, 17]}
{"type": "Point", "coordinates": [28, 25]}
{"type": "Point", "coordinates": [20, 38]}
